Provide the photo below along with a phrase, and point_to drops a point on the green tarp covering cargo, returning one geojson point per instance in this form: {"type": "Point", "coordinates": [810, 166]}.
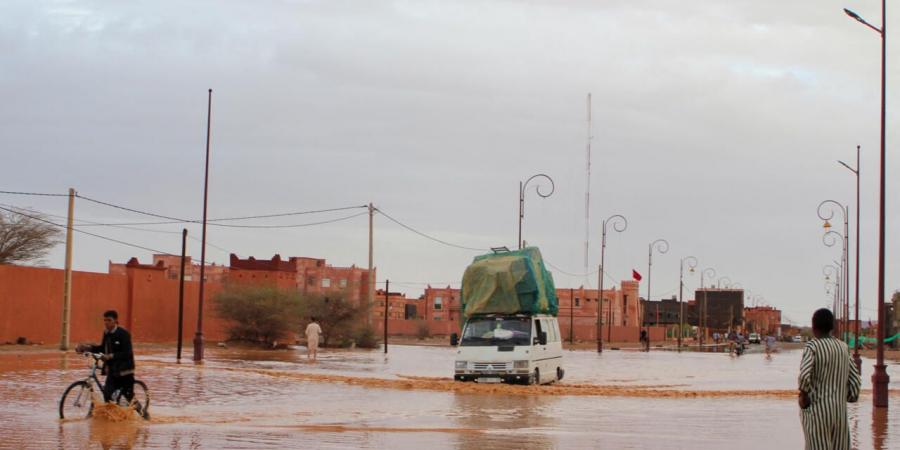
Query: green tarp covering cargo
{"type": "Point", "coordinates": [509, 283]}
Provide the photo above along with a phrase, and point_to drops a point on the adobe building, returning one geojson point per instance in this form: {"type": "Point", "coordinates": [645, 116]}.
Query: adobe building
{"type": "Point", "coordinates": [172, 266]}
{"type": "Point", "coordinates": [307, 275]}
{"type": "Point", "coordinates": [764, 320]}
{"type": "Point", "coordinates": [666, 312]}
{"type": "Point", "coordinates": [718, 310]}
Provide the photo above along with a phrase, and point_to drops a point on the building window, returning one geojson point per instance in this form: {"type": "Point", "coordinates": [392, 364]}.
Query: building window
{"type": "Point", "coordinates": [577, 301]}
{"type": "Point", "coordinates": [326, 282]}
{"type": "Point", "coordinates": [311, 281]}
{"type": "Point", "coordinates": [343, 282]}
{"type": "Point", "coordinates": [438, 303]}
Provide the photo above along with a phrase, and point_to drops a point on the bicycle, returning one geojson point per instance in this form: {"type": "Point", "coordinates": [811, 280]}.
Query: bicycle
{"type": "Point", "coordinates": [78, 399]}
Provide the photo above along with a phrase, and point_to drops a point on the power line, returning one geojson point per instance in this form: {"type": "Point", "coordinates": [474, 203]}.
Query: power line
{"type": "Point", "coordinates": [88, 233]}
{"type": "Point", "coordinates": [176, 220]}
{"type": "Point", "coordinates": [37, 194]}
{"type": "Point", "coordinates": [380, 211]}
{"type": "Point", "coordinates": [89, 223]}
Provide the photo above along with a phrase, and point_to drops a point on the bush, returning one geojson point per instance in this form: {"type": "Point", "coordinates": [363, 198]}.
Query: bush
{"type": "Point", "coordinates": [258, 314]}
{"type": "Point", "coordinates": [365, 337]}
{"type": "Point", "coordinates": [337, 316]}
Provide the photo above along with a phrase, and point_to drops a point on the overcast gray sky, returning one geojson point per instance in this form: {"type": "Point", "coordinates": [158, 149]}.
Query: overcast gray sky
{"type": "Point", "coordinates": [717, 126]}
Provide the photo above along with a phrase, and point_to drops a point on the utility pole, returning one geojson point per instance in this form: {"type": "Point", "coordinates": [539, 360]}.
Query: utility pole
{"type": "Point", "coordinates": [198, 337]}
{"type": "Point", "coordinates": [181, 290]}
{"type": "Point", "coordinates": [600, 309]}
{"type": "Point", "coordinates": [67, 281]}
{"type": "Point", "coordinates": [387, 302]}
{"type": "Point", "coordinates": [571, 315]}
{"type": "Point", "coordinates": [370, 295]}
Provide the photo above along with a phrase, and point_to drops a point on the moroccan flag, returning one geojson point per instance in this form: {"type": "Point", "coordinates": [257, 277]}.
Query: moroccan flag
{"type": "Point", "coordinates": [636, 275]}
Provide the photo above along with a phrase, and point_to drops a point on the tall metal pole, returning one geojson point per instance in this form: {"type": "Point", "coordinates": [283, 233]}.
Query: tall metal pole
{"type": "Point", "coordinates": [370, 288]}
{"type": "Point", "coordinates": [692, 263]}
{"type": "Point", "coordinates": [181, 291]}
{"type": "Point", "coordinates": [680, 303]}
{"type": "Point", "coordinates": [67, 280]}
{"type": "Point", "coordinates": [600, 308]}
{"type": "Point", "coordinates": [600, 293]}
{"type": "Point", "coordinates": [587, 189]}
{"type": "Point", "coordinates": [387, 301]}
{"type": "Point", "coordinates": [198, 337]}
{"type": "Point", "coordinates": [846, 304]}
{"type": "Point", "coordinates": [521, 212]}
{"type": "Point", "coordinates": [571, 315]}
{"type": "Point", "coordinates": [856, 357]}
{"type": "Point", "coordinates": [880, 378]}
{"type": "Point", "coordinates": [662, 246]}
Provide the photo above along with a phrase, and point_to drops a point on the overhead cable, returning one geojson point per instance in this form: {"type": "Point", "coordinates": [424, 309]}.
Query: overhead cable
{"type": "Point", "coordinates": [380, 211]}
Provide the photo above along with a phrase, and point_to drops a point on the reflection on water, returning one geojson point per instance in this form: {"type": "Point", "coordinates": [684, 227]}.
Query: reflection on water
{"type": "Point", "coordinates": [502, 415]}
{"type": "Point", "coordinates": [265, 399]}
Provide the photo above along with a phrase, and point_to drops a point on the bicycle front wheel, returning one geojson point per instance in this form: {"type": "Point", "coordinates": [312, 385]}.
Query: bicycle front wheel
{"type": "Point", "coordinates": [76, 401]}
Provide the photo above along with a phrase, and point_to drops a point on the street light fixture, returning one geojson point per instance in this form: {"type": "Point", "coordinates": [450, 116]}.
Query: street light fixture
{"type": "Point", "coordinates": [701, 307]}
{"type": "Point", "coordinates": [856, 358]}
{"type": "Point", "coordinates": [522, 187]}
{"type": "Point", "coordinates": [661, 246]}
{"type": "Point", "coordinates": [692, 264]}
{"type": "Point", "coordinates": [880, 378]}
{"type": "Point", "coordinates": [825, 211]}
{"type": "Point", "coordinates": [619, 224]}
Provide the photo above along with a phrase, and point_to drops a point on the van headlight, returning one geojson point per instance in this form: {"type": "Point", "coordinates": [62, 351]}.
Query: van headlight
{"type": "Point", "coordinates": [520, 364]}
{"type": "Point", "coordinates": [461, 364]}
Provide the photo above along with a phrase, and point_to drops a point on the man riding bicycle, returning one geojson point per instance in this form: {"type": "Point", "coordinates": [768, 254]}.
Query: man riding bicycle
{"type": "Point", "coordinates": [118, 357]}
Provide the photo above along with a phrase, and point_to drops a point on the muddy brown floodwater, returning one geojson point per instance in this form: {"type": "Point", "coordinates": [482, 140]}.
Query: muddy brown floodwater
{"type": "Point", "coordinates": [243, 399]}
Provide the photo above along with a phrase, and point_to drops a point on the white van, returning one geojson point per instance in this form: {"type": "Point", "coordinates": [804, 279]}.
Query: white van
{"type": "Point", "coordinates": [509, 347]}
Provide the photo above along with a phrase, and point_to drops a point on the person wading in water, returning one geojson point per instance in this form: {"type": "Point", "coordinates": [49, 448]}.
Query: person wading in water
{"type": "Point", "coordinates": [828, 381]}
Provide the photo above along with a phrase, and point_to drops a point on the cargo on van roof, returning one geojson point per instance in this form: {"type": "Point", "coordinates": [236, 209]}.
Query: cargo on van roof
{"type": "Point", "coordinates": [508, 283]}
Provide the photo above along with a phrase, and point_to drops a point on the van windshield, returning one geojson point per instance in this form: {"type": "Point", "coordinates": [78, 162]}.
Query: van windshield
{"type": "Point", "coordinates": [497, 331]}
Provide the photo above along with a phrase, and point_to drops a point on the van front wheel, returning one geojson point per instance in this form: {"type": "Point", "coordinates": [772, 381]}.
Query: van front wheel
{"type": "Point", "coordinates": [535, 377]}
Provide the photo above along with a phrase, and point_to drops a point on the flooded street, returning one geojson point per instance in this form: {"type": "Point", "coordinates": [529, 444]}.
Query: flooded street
{"type": "Point", "coordinates": [276, 399]}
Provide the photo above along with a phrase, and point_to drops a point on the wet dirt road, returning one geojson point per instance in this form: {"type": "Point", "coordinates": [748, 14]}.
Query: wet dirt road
{"type": "Point", "coordinates": [276, 399]}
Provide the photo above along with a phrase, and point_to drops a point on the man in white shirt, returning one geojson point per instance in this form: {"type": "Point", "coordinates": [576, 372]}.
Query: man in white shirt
{"type": "Point", "coordinates": [313, 330]}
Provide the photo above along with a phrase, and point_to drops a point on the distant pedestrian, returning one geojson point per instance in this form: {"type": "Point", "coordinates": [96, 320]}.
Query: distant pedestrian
{"type": "Point", "coordinates": [313, 330]}
{"type": "Point", "coordinates": [828, 381]}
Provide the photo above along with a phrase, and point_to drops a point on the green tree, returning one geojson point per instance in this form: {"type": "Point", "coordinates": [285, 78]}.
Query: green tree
{"type": "Point", "coordinates": [258, 314]}
{"type": "Point", "coordinates": [342, 320]}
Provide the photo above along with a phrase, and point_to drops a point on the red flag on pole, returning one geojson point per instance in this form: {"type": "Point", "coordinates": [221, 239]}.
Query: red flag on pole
{"type": "Point", "coordinates": [636, 275]}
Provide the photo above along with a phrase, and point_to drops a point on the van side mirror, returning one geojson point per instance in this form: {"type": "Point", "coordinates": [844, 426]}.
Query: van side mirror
{"type": "Point", "coordinates": [454, 339]}
{"type": "Point", "coordinates": [543, 338]}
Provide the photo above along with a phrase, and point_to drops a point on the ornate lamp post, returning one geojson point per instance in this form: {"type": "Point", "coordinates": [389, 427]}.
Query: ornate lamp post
{"type": "Point", "coordinates": [522, 187]}
{"type": "Point", "coordinates": [825, 212]}
{"type": "Point", "coordinates": [701, 307]}
{"type": "Point", "coordinates": [880, 378]}
{"type": "Point", "coordinates": [619, 224]}
{"type": "Point", "coordinates": [661, 246]}
{"type": "Point", "coordinates": [692, 264]}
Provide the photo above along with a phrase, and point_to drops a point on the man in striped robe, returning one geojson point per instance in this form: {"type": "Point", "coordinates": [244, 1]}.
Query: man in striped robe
{"type": "Point", "coordinates": [828, 380]}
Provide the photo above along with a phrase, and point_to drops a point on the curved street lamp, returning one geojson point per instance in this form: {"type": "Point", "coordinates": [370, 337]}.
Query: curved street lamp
{"type": "Point", "coordinates": [692, 264]}
{"type": "Point", "coordinates": [661, 246]}
{"type": "Point", "coordinates": [522, 187]}
{"type": "Point", "coordinates": [856, 358]}
{"type": "Point", "coordinates": [619, 224]}
{"type": "Point", "coordinates": [825, 211]}
{"type": "Point", "coordinates": [701, 307]}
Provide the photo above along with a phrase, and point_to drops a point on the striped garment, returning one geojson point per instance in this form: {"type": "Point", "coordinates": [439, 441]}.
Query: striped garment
{"type": "Point", "coordinates": [831, 379]}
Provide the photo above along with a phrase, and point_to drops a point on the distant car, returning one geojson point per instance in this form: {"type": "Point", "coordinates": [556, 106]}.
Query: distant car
{"type": "Point", "coordinates": [754, 338]}
{"type": "Point", "coordinates": [797, 338]}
